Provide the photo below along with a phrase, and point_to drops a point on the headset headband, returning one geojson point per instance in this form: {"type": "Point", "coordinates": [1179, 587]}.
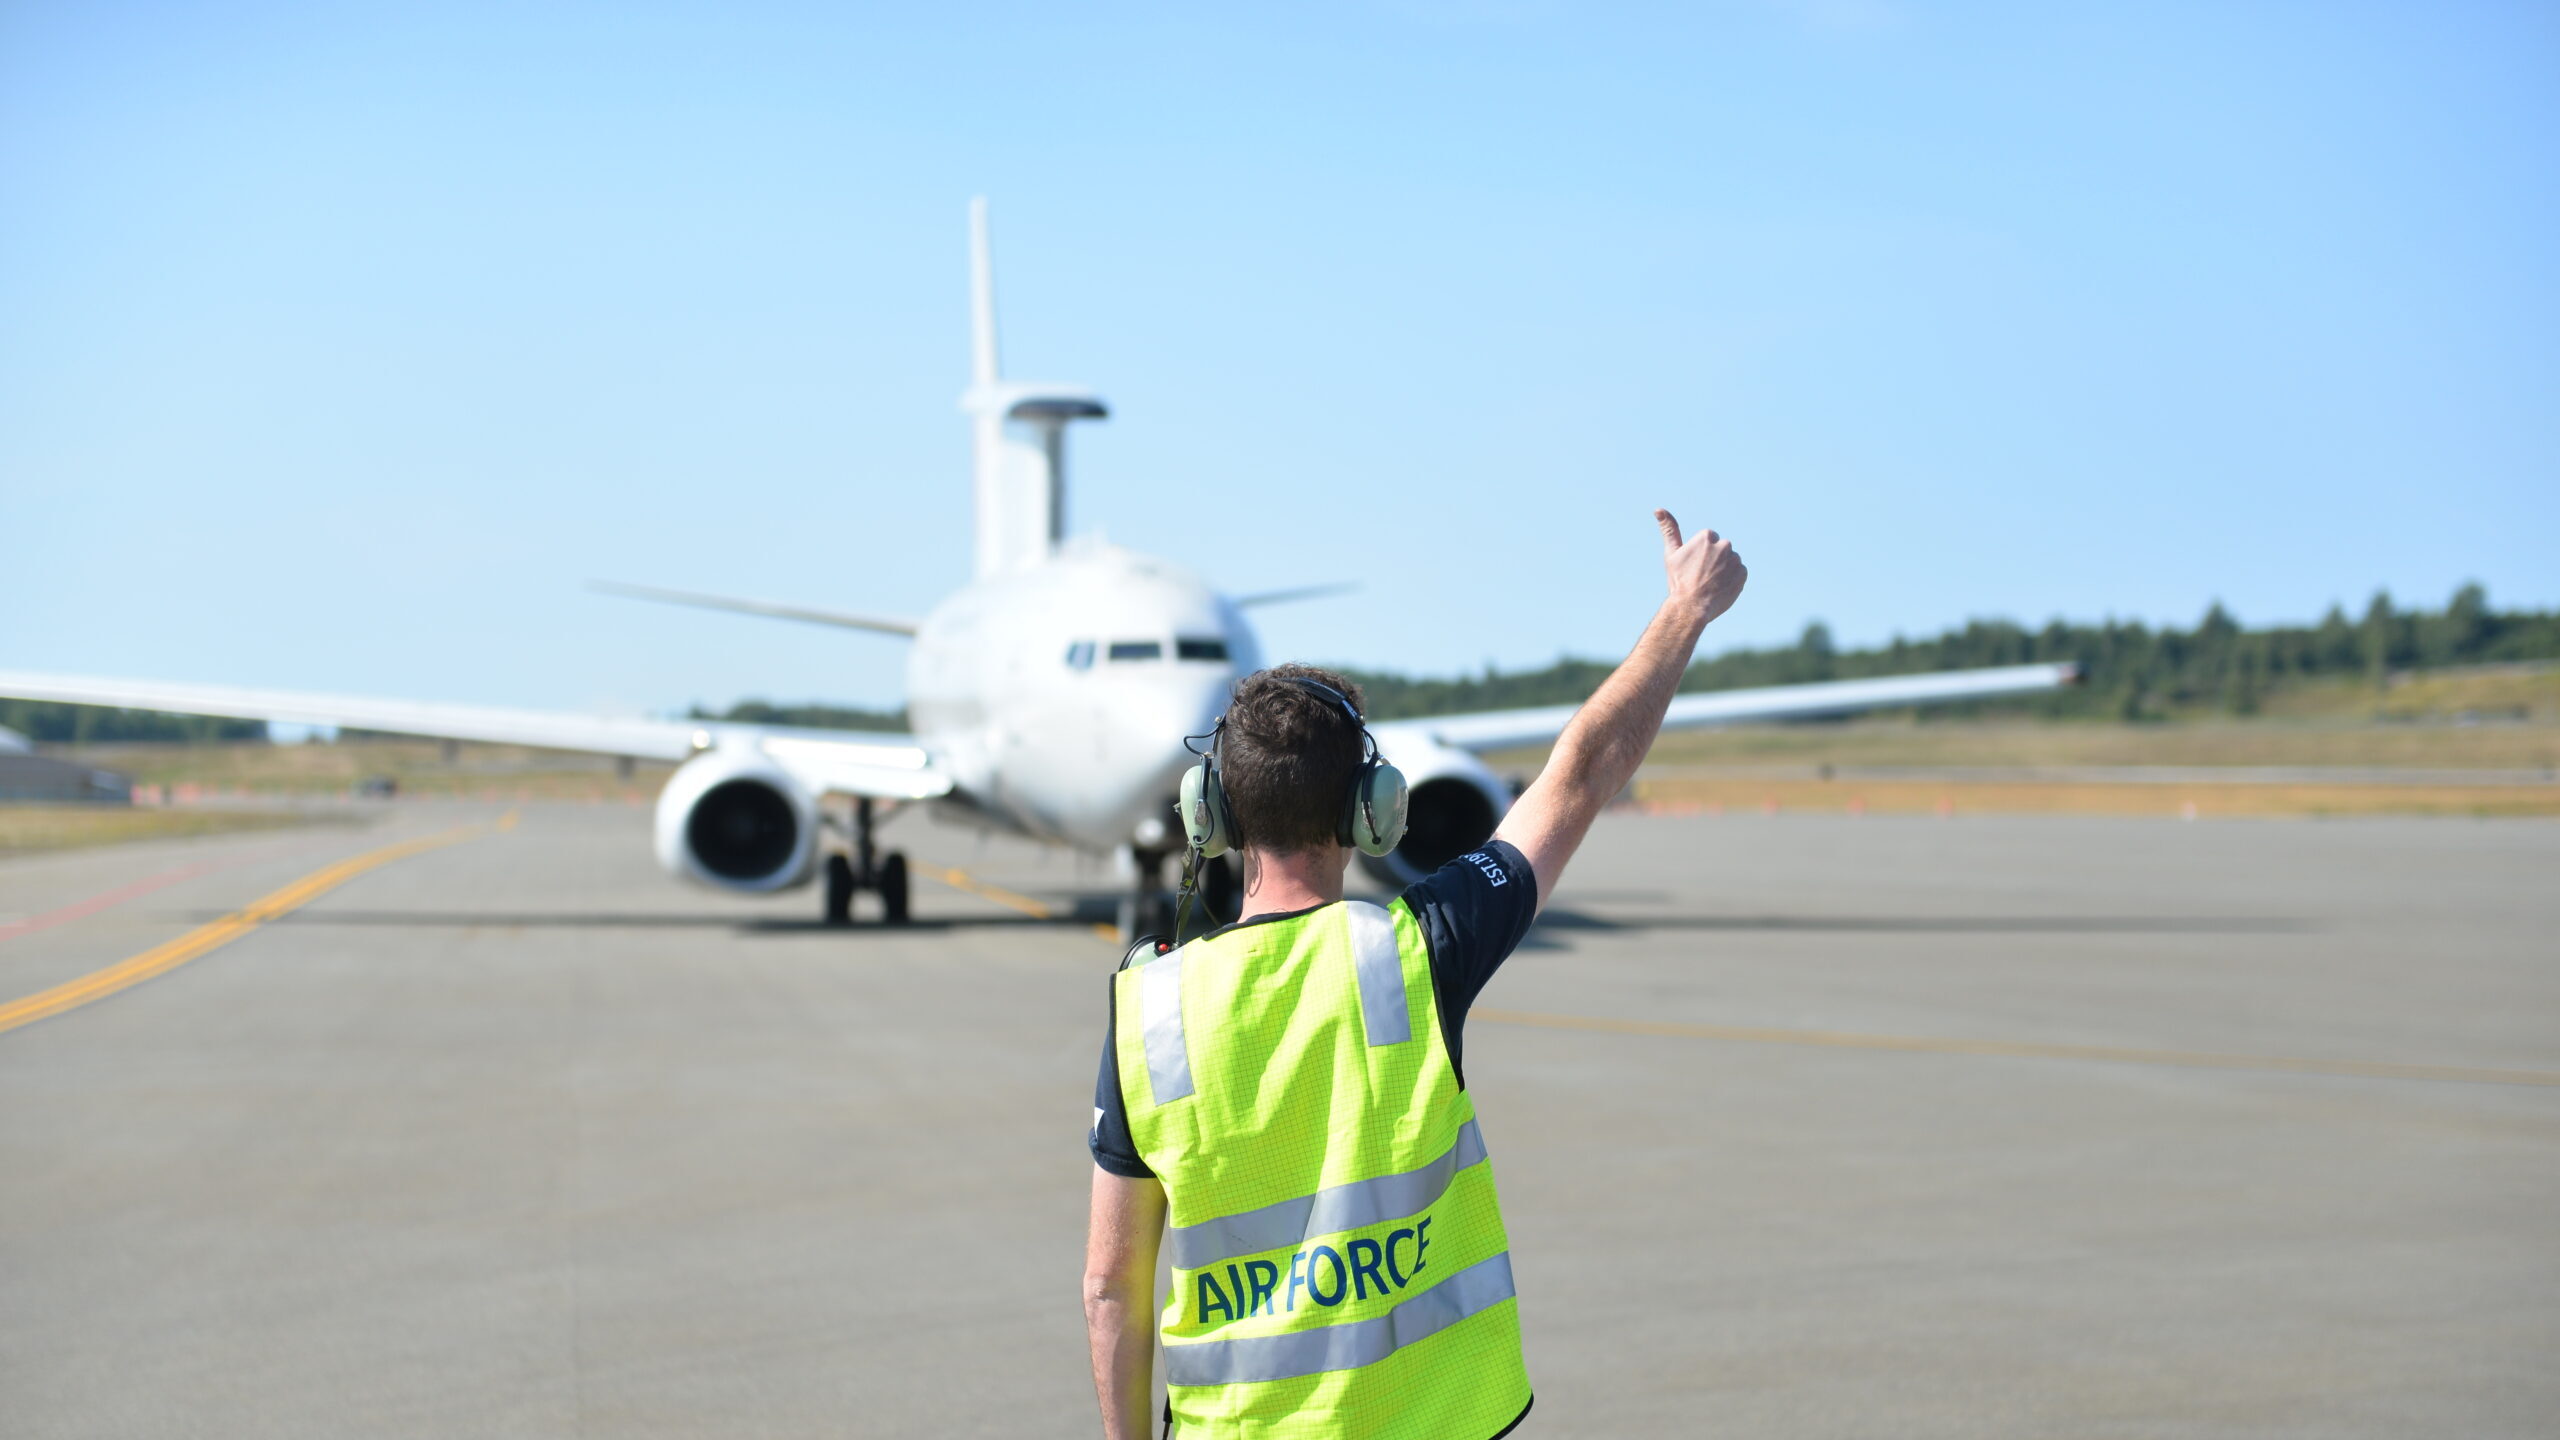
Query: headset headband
{"type": "Point", "coordinates": [1217, 733]}
{"type": "Point", "coordinates": [1319, 688]}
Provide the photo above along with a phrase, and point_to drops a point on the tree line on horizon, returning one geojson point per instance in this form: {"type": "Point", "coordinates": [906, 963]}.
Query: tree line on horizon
{"type": "Point", "coordinates": [58, 724]}
{"type": "Point", "coordinates": [2130, 671]}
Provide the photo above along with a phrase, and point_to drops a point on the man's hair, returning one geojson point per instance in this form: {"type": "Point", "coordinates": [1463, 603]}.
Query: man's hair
{"type": "Point", "coordinates": [1287, 759]}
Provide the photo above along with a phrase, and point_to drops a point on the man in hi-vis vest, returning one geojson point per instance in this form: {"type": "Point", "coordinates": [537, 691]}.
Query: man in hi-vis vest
{"type": "Point", "coordinates": [1281, 1101]}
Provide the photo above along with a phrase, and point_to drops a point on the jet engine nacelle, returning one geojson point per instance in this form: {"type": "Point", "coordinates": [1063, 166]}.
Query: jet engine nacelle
{"type": "Point", "coordinates": [734, 820]}
{"type": "Point", "coordinates": [1456, 802]}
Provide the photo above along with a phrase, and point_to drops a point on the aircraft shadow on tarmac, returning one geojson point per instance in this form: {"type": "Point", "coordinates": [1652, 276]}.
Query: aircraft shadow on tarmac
{"type": "Point", "coordinates": [630, 920]}
{"type": "Point", "coordinates": [1556, 928]}
{"type": "Point", "coordinates": [1072, 912]}
{"type": "Point", "coordinates": [1559, 924]}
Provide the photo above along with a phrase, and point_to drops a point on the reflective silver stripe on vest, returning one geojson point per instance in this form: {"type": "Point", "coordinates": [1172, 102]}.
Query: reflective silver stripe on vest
{"type": "Point", "coordinates": [1168, 1059]}
{"type": "Point", "coordinates": [1480, 1286]}
{"type": "Point", "coordinates": [1328, 1211]}
{"type": "Point", "coordinates": [1381, 970]}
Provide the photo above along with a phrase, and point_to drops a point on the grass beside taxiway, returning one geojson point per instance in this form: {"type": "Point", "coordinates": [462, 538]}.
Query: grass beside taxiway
{"type": "Point", "coordinates": [2478, 718]}
{"type": "Point", "coordinates": [1742, 794]}
{"type": "Point", "coordinates": [25, 829]}
{"type": "Point", "coordinates": [2504, 746]}
{"type": "Point", "coordinates": [418, 767]}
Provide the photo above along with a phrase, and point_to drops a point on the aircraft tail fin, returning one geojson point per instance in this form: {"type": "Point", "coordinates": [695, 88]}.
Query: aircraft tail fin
{"type": "Point", "coordinates": [982, 298]}
{"type": "Point", "coordinates": [1294, 595]}
{"type": "Point", "coordinates": [1018, 433]}
{"type": "Point", "coordinates": [843, 619]}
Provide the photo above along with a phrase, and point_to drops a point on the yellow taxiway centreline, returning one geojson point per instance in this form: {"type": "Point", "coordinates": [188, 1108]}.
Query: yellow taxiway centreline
{"type": "Point", "coordinates": [962, 880]}
{"type": "Point", "coordinates": [204, 939]}
{"type": "Point", "coordinates": [2022, 1050]}
{"type": "Point", "coordinates": [967, 883]}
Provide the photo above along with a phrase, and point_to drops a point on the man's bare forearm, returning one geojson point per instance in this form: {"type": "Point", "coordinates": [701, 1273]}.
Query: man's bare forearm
{"type": "Point", "coordinates": [1119, 1293]}
{"type": "Point", "coordinates": [1609, 736]}
{"type": "Point", "coordinates": [1117, 1326]}
{"type": "Point", "coordinates": [1602, 745]}
{"type": "Point", "coordinates": [1600, 748]}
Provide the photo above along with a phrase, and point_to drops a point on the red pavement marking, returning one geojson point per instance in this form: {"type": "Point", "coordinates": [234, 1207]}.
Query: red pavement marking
{"type": "Point", "coordinates": [80, 909]}
{"type": "Point", "coordinates": [95, 903]}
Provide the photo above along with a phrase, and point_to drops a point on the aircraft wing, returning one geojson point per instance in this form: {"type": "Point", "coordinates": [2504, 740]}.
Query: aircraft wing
{"type": "Point", "coordinates": [1508, 729]}
{"type": "Point", "coordinates": [829, 761]}
{"type": "Point", "coordinates": [892, 767]}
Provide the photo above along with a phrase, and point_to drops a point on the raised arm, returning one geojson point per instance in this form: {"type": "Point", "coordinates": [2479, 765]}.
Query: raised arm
{"type": "Point", "coordinates": [1607, 739]}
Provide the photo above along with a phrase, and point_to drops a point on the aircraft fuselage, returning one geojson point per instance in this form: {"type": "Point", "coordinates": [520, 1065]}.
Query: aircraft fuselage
{"type": "Point", "coordinates": [1058, 694]}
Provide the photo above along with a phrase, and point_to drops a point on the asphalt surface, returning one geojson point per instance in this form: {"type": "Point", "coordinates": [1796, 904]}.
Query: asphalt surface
{"type": "Point", "coordinates": [515, 1137]}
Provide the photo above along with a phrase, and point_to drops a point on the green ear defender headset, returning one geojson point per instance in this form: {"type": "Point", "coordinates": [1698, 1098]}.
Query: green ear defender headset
{"type": "Point", "coordinates": [1373, 811]}
{"type": "Point", "coordinates": [1204, 804]}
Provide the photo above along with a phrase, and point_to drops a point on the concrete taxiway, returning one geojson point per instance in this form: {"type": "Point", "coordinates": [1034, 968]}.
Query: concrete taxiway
{"type": "Point", "coordinates": [1806, 1126]}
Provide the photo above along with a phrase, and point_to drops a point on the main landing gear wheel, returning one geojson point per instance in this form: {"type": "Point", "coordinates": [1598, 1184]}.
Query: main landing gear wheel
{"type": "Point", "coordinates": [865, 869]}
{"type": "Point", "coordinates": [893, 888]}
{"type": "Point", "coordinates": [840, 887]}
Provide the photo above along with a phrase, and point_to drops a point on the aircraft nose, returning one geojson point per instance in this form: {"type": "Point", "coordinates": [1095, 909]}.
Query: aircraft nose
{"type": "Point", "coordinates": [1188, 707]}
{"type": "Point", "coordinates": [1157, 718]}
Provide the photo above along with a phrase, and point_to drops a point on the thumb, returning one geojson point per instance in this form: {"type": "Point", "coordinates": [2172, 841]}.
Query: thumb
{"type": "Point", "coordinates": [1670, 530]}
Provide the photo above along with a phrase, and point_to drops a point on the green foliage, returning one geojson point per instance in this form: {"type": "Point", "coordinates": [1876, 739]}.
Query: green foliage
{"type": "Point", "coordinates": [2130, 671]}
{"type": "Point", "coordinates": [812, 716]}
{"type": "Point", "coordinates": [80, 724]}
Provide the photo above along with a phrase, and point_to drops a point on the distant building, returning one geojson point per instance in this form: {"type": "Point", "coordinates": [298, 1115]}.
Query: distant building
{"type": "Point", "coordinates": [34, 777]}
{"type": "Point", "coordinates": [13, 743]}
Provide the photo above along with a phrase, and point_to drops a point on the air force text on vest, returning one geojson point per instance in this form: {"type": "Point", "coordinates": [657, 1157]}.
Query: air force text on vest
{"type": "Point", "coordinates": [1323, 1274]}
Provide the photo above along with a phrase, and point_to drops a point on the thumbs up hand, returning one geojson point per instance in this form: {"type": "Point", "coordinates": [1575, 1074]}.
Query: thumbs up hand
{"type": "Point", "coordinates": [1704, 570]}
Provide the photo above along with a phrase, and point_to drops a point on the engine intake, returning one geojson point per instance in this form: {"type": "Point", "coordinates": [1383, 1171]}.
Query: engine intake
{"type": "Point", "coordinates": [1450, 817]}
{"type": "Point", "coordinates": [1456, 802]}
{"type": "Point", "coordinates": [735, 820]}
{"type": "Point", "coordinates": [741, 830]}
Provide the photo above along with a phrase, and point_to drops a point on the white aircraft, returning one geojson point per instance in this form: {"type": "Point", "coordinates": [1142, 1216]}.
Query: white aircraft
{"type": "Point", "coordinates": [1049, 697]}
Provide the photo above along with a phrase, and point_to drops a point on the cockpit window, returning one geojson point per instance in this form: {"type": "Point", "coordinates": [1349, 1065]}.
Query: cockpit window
{"type": "Point", "coordinates": [1080, 655]}
{"type": "Point", "coordinates": [1192, 648]}
{"type": "Point", "coordinates": [1137, 650]}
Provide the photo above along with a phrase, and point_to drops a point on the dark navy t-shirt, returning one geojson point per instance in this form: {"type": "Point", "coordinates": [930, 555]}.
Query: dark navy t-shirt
{"type": "Point", "coordinates": [1473, 911]}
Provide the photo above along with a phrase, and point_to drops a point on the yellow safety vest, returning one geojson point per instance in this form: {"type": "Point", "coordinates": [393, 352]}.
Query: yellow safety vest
{"type": "Point", "coordinates": [1339, 1262]}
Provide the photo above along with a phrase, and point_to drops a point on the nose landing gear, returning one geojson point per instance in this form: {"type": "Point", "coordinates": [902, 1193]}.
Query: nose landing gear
{"type": "Point", "coordinates": [866, 869]}
{"type": "Point", "coordinates": [1150, 909]}
{"type": "Point", "coordinates": [1145, 907]}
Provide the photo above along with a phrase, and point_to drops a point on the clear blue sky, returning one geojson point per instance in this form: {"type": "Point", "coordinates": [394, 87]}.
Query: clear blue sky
{"type": "Point", "coordinates": [340, 344]}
